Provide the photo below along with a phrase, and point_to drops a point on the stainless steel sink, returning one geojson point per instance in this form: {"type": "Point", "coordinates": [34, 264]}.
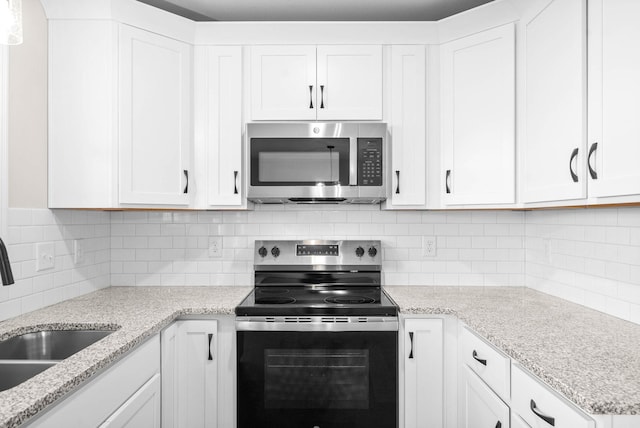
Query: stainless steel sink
{"type": "Point", "coordinates": [14, 373]}
{"type": "Point", "coordinates": [49, 345]}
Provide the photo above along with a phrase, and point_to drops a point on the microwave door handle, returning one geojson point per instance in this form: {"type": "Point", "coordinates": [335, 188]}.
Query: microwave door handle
{"type": "Point", "coordinates": [353, 161]}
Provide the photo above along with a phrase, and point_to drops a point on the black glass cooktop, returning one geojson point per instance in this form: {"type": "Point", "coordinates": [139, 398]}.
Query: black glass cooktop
{"type": "Point", "coordinates": [317, 300]}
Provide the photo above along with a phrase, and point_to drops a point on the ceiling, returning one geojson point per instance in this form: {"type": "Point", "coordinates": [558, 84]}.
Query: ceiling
{"type": "Point", "coordinates": [315, 10]}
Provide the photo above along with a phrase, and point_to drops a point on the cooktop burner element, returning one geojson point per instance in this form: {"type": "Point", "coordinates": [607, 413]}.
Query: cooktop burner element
{"type": "Point", "coordinates": [317, 278]}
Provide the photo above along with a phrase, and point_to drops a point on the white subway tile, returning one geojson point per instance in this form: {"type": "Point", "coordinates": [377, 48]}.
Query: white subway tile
{"type": "Point", "coordinates": [173, 230]}
{"type": "Point", "coordinates": [484, 242]}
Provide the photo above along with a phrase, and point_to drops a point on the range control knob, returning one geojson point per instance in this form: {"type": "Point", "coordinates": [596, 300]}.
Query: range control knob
{"type": "Point", "coordinates": [359, 251]}
{"type": "Point", "coordinates": [373, 251]}
{"type": "Point", "coordinates": [263, 252]}
{"type": "Point", "coordinates": [275, 251]}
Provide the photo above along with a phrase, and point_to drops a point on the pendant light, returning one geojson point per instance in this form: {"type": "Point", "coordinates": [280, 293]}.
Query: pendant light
{"type": "Point", "coordinates": [10, 22]}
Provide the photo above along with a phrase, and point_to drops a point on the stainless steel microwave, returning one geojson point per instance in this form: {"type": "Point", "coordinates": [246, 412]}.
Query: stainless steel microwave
{"type": "Point", "coordinates": [317, 162]}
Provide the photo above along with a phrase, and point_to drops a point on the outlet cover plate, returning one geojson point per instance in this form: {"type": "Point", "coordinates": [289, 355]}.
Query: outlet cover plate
{"type": "Point", "coordinates": [45, 256]}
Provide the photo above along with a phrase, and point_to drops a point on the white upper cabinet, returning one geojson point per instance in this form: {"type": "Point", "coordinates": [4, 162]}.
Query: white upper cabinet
{"type": "Point", "coordinates": [218, 126]}
{"type": "Point", "coordinates": [614, 98]}
{"type": "Point", "coordinates": [478, 118]}
{"type": "Point", "coordinates": [349, 79]}
{"type": "Point", "coordinates": [407, 127]}
{"type": "Point", "coordinates": [323, 82]}
{"type": "Point", "coordinates": [283, 82]}
{"type": "Point", "coordinates": [554, 137]}
{"type": "Point", "coordinates": [155, 118]}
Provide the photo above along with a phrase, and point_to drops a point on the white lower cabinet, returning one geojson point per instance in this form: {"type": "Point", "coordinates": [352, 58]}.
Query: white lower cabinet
{"type": "Point", "coordinates": [125, 395]}
{"type": "Point", "coordinates": [541, 407]}
{"type": "Point", "coordinates": [423, 373]}
{"type": "Point", "coordinates": [198, 372]}
{"type": "Point", "coordinates": [141, 410]}
{"type": "Point", "coordinates": [479, 405]}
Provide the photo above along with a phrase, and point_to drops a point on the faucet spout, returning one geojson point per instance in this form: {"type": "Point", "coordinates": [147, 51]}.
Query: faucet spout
{"type": "Point", "coordinates": [5, 266]}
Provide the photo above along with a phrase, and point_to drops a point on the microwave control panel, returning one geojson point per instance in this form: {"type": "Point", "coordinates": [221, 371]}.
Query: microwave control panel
{"type": "Point", "coordinates": [370, 161]}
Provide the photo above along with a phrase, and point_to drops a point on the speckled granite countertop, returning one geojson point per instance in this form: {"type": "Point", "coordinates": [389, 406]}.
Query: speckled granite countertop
{"type": "Point", "coordinates": [136, 312]}
{"type": "Point", "coordinates": [591, 358]}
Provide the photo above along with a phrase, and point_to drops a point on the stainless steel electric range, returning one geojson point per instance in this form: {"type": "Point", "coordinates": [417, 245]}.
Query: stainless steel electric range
{"type": "Point", "coordinates": [317, 338]}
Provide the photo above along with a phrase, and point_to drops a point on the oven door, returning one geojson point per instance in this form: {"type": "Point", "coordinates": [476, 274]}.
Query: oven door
{"type": "Point", "coordinates": [308, 379]}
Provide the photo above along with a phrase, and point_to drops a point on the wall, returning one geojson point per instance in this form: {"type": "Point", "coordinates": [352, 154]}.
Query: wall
{"type": "Point", "coordinates": [588, 256]}
{"type": "Point", "coordinates": [28, 111]}
{"type": "Point", "coordinates": [33, 290]}
{"type": "Point", "coordinates": [170, 248]}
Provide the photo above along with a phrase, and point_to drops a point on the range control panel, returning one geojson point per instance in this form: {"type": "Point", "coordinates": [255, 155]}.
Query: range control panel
{"type": "Point", "coordinates": [317, 253]}
{"type": "Point", "coordinates": [370, 161]}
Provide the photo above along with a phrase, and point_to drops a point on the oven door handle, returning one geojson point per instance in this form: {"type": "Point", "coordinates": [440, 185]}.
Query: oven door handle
{"type": "Point", "coordinates": [317, 324]}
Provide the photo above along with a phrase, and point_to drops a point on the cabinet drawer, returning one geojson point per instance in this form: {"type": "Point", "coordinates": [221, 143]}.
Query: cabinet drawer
{"type": "Point", "coordinates": [491, 365]}
{"type": "Point", "coordinates": [541, 407]}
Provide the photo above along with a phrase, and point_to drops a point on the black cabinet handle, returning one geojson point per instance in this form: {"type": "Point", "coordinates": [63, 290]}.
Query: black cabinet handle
{"type": "Point", "coordinates": [480, 360]}
{"type": "Point", "coordinates": [186, 175]}
{"type": "Point", "coordinates": [592, 172]}
{"type": "Point", "coordinates": [548, 419]}
{"type": "Point", "coordinates": [310, 96]}
{"type": "Point", "coordinates": [447, 181]}
{"type": "Point", "coordinates": [411, 342]}
{"type": "Point", "coordinates": [321, 96]}
{"type": "Point", "coordinates": [574, 154]}
{"type": "Point", "coordinates": [499, 424]}
{"type": "Point", "coordinates": [397, 182]}
{"type": "Point", "coordinates": [235, 182]}
{"type": "Point", "coordinates": [210, 358]}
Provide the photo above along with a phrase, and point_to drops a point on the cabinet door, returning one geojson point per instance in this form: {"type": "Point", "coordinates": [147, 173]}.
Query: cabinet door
{"type": "Point", "coordinates": [142, 410]}
{"type": "Point", "coordinates": [478, 107]}
{"type": "Point", "coordinates": [155, 118]}
{"type": "Point", "coordinates": [480, 406]}
{"type": "Point", "coordinates": [349, 82]}
{"type": "Point", "coordinates": [218, 97]}
{"type": "Point", "coordinates": [198, 374]}
{"type": "Point", "coordinates": [283, 82]}
{"type": "Point", "coordinates": [407, 127]}
{"type": "Point", "coordinates": [423, 379]}
{"type": "Point", "coordinates": [555, 102]}
{"type": "Point", "coordinates": [614, 98]}
{"type": "Point", "coordinates": [517, 422]}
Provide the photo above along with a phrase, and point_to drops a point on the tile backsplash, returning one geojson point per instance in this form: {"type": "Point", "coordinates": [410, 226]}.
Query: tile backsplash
{"type": "Point", "coordinates": [171, 248]}
{"type": "Point", "coordinates": [589, 256]}
{"type": "Point", "coordinates": [35, 289]}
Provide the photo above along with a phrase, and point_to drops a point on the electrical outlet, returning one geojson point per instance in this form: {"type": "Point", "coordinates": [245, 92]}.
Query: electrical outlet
{"type": "Point", "coordinates": [429, 246]}
{"type": "Point", "coordinates": [45, 256]}
{"type": "Point", "coordinates": [78, 251]}
{"type": "Point", "coordinates": [215, 246]}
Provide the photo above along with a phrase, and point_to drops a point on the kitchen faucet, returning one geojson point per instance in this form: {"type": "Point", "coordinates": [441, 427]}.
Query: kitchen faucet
{"type": "Point", "coordinates": [5, 266]}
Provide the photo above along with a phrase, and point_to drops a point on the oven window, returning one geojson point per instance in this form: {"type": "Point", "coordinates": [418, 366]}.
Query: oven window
{"type": "Point", "coordinates": [299, 161]}
{"type": "Point", "coordinates": [316, 379]}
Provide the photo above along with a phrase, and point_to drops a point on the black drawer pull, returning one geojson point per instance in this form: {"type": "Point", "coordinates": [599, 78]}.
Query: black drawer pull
{"type": "Point", "coordinates": [592, 172]}
{"type": "Point", "coordinates": [548, 419]}
{"type": "Point", "coordinates": [321, 96]}
{"type": "Point", "coordinates": [411, 341]}
{"type": "Point", "coordinates": [310, 96]}
{"type": "Point", "coordinates": [474, 354]}
{"type": "Point", "coordinates": [397, 182]}
{"type": "Point", "coordinates": [499, 424]}
{"type": "Point", "coordinates": [186, 187]}
{"type": "Point", "coordinates": [447, 181]}
{"type": "Point", "coordinates": [574, 154]}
